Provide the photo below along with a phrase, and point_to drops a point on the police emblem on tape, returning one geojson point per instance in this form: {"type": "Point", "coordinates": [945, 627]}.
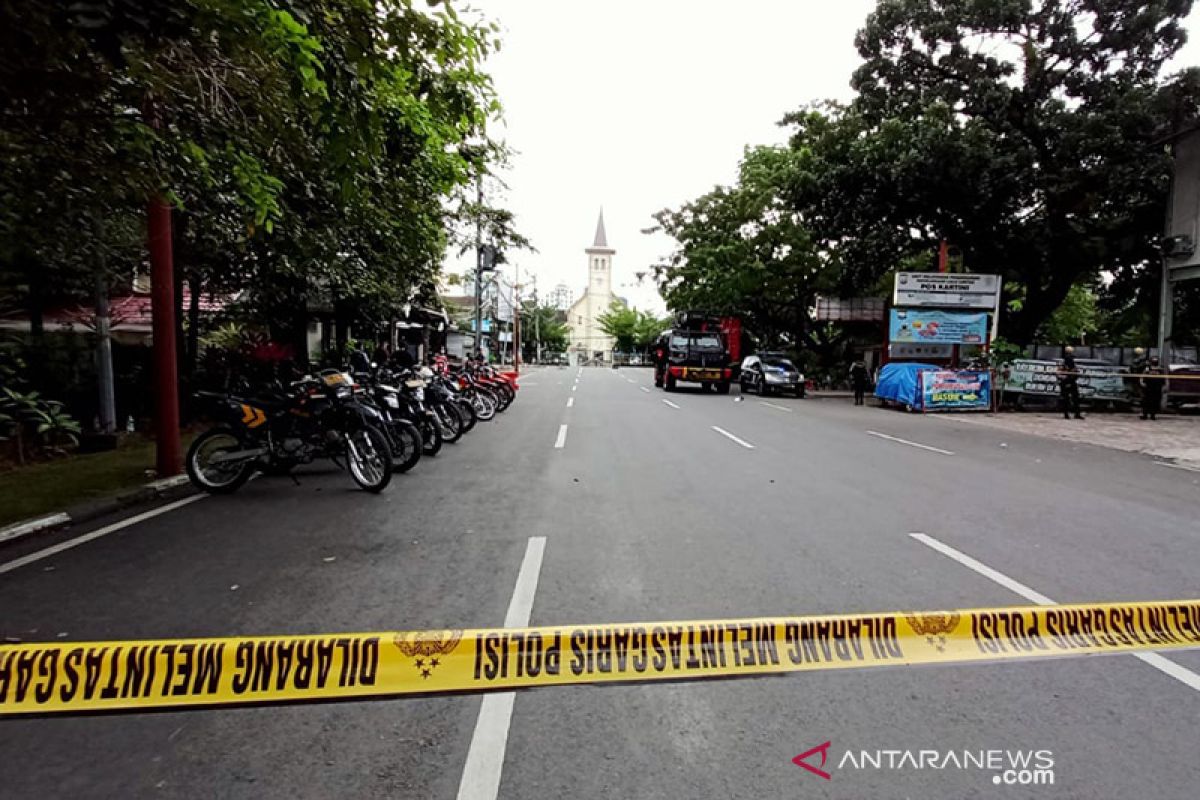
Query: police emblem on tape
{"type": "Point", "coordinates": [426, 648]}
{"type": "Point", "coordinates": [934, 627]}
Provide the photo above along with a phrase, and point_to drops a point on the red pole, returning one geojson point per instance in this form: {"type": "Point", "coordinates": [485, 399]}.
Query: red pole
{"type": "Point", "coordinates": [162, 306]}
{"type": "Point", "coordinates": [944, 257]}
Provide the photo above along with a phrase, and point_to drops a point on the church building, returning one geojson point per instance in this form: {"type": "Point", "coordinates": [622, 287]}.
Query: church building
{"type": "Point", "coordinates": [588, 340]}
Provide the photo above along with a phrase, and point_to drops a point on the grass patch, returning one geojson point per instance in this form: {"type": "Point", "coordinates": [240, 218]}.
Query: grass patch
{"type": "Point", "coordinates": [51, 486]}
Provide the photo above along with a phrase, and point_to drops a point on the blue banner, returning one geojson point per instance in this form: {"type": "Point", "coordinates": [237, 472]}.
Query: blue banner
{"type": "Point", "coordinates": [958, 389]}
{"type": "Point", "coordinates": [914, 325]}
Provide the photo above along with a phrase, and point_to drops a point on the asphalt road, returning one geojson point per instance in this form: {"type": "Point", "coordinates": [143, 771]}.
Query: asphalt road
{"type": "Point", "coordinates": [648, 513]}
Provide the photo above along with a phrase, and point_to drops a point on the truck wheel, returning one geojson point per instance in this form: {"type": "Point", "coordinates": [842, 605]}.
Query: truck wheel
{"type": "Point", "coordinates": [669, 383]}
{"type": "Point", "coordinates": [723, 387]}
{"type": "Point", "coordinates": [705, 386]}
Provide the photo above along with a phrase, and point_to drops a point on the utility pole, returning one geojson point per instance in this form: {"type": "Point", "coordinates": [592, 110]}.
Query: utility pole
{"type": "Point", "coordinates": [537, 324]}
{"type": "Point", "coordinates": [479, 263]}
{"type": "Point", "coordinates": [517, 327]}
{"type": "Point", "coordinates": [162, 305]}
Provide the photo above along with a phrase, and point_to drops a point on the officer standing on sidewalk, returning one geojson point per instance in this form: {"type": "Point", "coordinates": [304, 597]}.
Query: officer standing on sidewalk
{"type": "Point", "coordinates": [1152, 390]}
{"type": "Point", "coordinates": [859, 378]}
{"type": "Point", "coordinates": [1068, 384]}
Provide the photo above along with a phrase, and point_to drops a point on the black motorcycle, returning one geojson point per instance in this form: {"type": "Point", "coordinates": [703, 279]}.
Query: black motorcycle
{"type": "Point", "coordinates": [273, 431]}
{"type": "Point", "coordinates": [403, 434]}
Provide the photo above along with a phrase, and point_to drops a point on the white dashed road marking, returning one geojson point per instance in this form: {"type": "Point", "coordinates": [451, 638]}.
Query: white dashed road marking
{"type": "Point", "coordinates": [772, 405]}
{"type": "Point", "coordinates": [729, 435]}
{"type": "Point", "coordinates": [561, 441]}
{"type": "Point", "coordinates": [910, 444]}
{"type": "Point", "coordinates": [672, 405]}
{"type": "Point", "coordinates": [485, 758]}
{"type": "Point", "coordinates": [570, 402]}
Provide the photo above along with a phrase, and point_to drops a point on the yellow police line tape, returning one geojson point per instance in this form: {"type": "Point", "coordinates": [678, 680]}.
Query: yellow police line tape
{"type": "Point", "coordinates": [132, 676]}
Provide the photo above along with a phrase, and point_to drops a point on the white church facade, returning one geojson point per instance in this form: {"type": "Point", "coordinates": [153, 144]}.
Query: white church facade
{"type": "Point", "coordinates": [588, 341]}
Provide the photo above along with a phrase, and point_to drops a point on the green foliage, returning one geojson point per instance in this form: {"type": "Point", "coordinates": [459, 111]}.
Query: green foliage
{"type": "Point", "coordinates": [1027, 135]}
{"type": "Point", "coordinates": [745, 250]}
{"type": "Point", "coordinates": [632, 329]}
{"type": "Point", "coordinates": [314, 150]}
{"type": "Point", "coordinates": [26, 418]}
{"type": "Point", "coordinates": [1074, 321]}
{"type": "Point", "coordinates": [541, 323]}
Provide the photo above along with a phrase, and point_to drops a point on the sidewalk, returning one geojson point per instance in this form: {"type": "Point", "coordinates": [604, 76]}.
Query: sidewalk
{"type": "Point", "coordinates": [1169, 437]}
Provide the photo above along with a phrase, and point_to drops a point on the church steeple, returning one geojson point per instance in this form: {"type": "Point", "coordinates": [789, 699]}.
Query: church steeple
{"type": "Point", "coordinates": [600, 244]}
{"type": "Point", "coordinates": [601, 238]}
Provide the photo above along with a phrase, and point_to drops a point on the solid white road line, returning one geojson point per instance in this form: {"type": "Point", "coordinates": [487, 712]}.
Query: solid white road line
{"type": "Point", "coordinates": [570, 402]}
{"type": "Point", "coordinates": [485, 757]}
{"type": "Point", "coordinates": [672, 405]}
{"type": "Point", "coordinates": [644, 389]}
{"type": "Point", "coordinates": [1181, 674]}
{"type": "Point", "coordinates": [772, 405]}
{"type": "Point", "coordinates": [96, 534]}
{"type": "Point", "coordinates": [910, 444]}
{"type": "Point", "coordinates": [729, 435]}
{"type": "Point", "coordinates": [562, 437]}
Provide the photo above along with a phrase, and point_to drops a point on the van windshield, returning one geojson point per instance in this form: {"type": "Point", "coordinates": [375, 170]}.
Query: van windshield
{"type": "Point", "coordinates": [695, 341]}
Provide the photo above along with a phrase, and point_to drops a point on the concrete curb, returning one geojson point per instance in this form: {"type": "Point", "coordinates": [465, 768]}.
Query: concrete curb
{"type": "Point", "coordinates": [82, 512]}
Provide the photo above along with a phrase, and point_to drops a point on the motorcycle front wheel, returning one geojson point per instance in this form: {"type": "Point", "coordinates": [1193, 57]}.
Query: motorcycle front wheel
{"type": "Point", "coordinates": [450, 422]}
{"type": "Point", "coordinates": [466, 412]}
{"type": "Point", "coordinates": [369, 458]}
{"type": "Point", "coordinates": [431, 434]}
{"type": "Point", "coordinates": [210, 474]}
{"type": "Point", "coordinates": [407, 446]}
{"type": "Point", "coordinates": [485, 404]}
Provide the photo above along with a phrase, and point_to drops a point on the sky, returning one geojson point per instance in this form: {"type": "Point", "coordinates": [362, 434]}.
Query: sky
{"type": "Point", "coordinates": [639, 105]}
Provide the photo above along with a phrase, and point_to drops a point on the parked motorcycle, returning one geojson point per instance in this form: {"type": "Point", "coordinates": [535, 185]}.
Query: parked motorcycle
{"type": "Point", "coordinates": [275, 430]}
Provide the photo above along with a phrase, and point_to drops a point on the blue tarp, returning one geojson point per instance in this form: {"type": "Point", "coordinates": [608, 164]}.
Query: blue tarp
{"type": "Point", "coordinates": [898, 383]}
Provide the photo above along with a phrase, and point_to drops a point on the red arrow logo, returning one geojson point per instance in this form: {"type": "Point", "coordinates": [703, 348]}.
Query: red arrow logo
{"type": "Point", "coordinates": [823, 749]}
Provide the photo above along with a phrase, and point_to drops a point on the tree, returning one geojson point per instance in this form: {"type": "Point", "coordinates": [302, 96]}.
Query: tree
{"type": "Point", "coordinates": [747, 251]}
{"type": "Point", "coordinates": [1075, 321]}
{"type": "Point", "coordinates": [312, 149]}
{"type": "Point", "coordinates": [541, 324]}
{"type": "Point", "coordinates": [1026, 133]}
{"type": "Point", "coordinates": [632, 329]}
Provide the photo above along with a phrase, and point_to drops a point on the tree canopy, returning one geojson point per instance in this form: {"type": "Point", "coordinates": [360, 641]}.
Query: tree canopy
{"type": "Point", "coordinates": [632, 329]}
{"type": "Point", "coordinates": [1029, 135]}
{"type": "Point", "coordinates": [313, 149]}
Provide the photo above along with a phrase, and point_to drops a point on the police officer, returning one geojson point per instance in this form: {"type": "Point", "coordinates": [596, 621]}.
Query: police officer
{"type": "Point", "coordinates": [1152, 389]}
{"type": "Point", "coordinates": [1137, 367]}
{"type": "Point", "coordinates": [1068, 384]}
{"type": "Point", "coordinates": [660, 360]}
{"type": "Point", "coordinates": [859, 378]}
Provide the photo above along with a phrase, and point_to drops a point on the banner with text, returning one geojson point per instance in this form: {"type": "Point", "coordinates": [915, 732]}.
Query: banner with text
{"type": "Point", "coordinates": [909, 325]}
{"type": "Point", "coordinates": [955, 389]}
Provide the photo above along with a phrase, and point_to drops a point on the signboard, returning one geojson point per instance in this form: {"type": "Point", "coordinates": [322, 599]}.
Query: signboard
{"type": "Point", "coordinates": [850, 309]}
{"type": "Point", "coordinates": [955, 389]}
{"type": "Point", "coordinates": [912, 326]}
{"type": "Point", "coordinates": [1103, 382]}
{"type": "Point", "coordinates": [945, 290]}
